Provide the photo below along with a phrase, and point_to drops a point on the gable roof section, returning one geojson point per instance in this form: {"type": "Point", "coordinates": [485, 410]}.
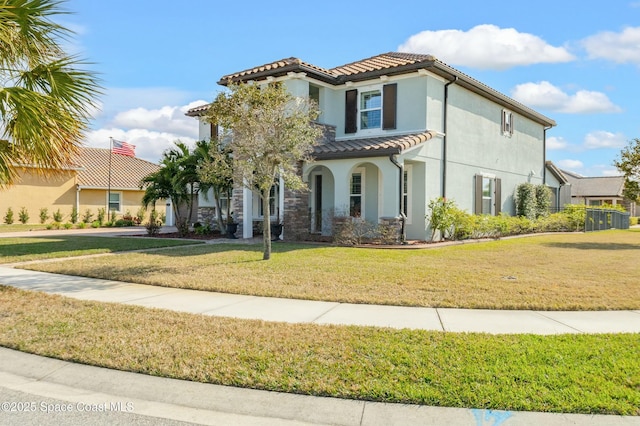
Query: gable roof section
{"type": "Point", "coordinates": [555, 171]}
{"type": "Point", "coordinates": [606, 186]}
{"type": "Point", "coordinates": [126, 172]}
{"type": "Point", "coordinates": [391, 63]}
{"type": "Point", "coordinates": [370, 147]}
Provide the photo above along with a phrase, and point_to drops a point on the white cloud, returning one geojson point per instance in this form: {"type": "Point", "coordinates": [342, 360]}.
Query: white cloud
{"type": "Point", "coordinates": [152, 131]}
{"type": "Point", "coordinates": [556, 143]}
{"type": "Point", "coordinates": [619, 47]}
{"type": "Point", "coordinates": [149, 144]}
{"type": "Point", "coordinates": [602, 139]}
{"type": "Point", "coordinates": [486, 47]}
{"type": "Point", "coordinates": [570, 165]}
{"type": "Point", "coordinates": [547, 96]}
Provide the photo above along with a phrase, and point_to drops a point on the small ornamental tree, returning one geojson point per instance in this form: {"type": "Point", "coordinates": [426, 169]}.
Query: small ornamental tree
{"type": "Point", "coordinates": [216, 170]}
{"type": "Point", "coordinates": [270, 133]}
{"type": "Point", "coordinates": [629, 164]}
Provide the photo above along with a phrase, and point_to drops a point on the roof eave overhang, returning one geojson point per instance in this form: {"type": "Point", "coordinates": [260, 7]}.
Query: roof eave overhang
{"type": "Point", "coordinates": [356, 154]}
{"type": "Point", "coordinates": [278, 72]}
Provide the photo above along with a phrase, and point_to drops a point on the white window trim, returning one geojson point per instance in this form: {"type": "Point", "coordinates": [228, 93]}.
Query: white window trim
{"type": "Point", "coordinates": [362, 90]}
{"type": "Point", "coordinates": [507, 123]}
{"type": "Point", "coordinates": [120, 201]}
{"type": "Point", "coordinates": [276, 205]}
{"type": "Point", "coordinates": [360, 170]}
{"type": "Point", "coordinates": [408, 169]}
{"type": "Point", "coordinates": [492, 194]}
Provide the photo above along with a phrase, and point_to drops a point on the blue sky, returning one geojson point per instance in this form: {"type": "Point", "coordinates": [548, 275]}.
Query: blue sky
{"type": "Point", "coordinates": [576, 62]}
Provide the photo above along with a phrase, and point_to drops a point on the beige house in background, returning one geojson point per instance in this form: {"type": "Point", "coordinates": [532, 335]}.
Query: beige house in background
{"type": "Point", "coordinates": [83, 185]}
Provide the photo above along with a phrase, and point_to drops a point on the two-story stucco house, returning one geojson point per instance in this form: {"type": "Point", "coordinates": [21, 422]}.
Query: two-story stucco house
{"type": "Point", "coordinates": [400, 129]}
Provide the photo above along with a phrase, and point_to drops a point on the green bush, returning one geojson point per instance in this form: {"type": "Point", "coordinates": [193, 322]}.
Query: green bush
{"type": "Point", "coordinates": [87, 216]}
{"type": "Point", "coordinates": [68, 225]}
{"type": "Point", "coordinates": [123, 222]}
{"type": "Point", "coordinates": [154, 224]}
{"type": "Point", "coordinates": [44, 214]}
{"type": "Point", "coordinates": [23, 216]}
{"type": "Point", "coordinates": [57, 216]}
{"type": "Point", "coordinates": [95, 224]}
{"type": "Point", "coordinates": [82, 225]}
{"type": "Point", "coordinates": [8, 217]}
{"type": "Point", "coordinates": [441, 217]}
{"type": "Point", "coordinates": [633, 221]}
{"type": "Point", "coordinates": [74, 215]}
{"type": "Point", "coordinates": [101, 215]}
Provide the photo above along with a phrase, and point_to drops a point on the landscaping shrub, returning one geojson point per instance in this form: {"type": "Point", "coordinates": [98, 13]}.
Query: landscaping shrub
{"type": "Point", "coordinates": [154, 224]}
{"type": "Point", "coordinates": [44, 214]}
{"type": "Point", "coordinates": [633, 221]}
{"type": "Point", "coordinates": [95, 224]}
{"type": "Point", "coordinates": [8, 217]}
{"type": "Point", "coordinates": [68, 225]}
{"type": "Point", "coordinates": [101, 215]}
{"type": "Point", "coordinates": [74, 215]}
{"type": "Point", "coordinates": [441, 217]}
{"type": "Point", "coordinates": [57, 216]}
{"type": "Point", "coordinates": [23, 216]}
{"type": "Point", "coordinates": [87, 216]}
{"type": "Point", "coordinates": [525, 198]}
{"type": "Point", "coordinates": [82, 225]}
{"type": "Point", "coordinates": [140, 215]}
{"type": "Point", "coordinates": [543, 200]}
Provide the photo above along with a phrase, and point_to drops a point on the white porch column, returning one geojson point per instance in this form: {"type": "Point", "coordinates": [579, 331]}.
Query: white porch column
{"type": "Point", "coordinates": [247, 213]}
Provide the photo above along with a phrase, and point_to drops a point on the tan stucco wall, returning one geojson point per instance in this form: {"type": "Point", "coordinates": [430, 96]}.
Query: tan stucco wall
{"type": "Point", "coordinates": [35, 192]}
{"type": "Point", "coordinates": [94, 199]}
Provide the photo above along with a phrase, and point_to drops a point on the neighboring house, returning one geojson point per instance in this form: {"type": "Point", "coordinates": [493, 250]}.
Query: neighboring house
{"type": "Point", "coordinates": [596, 191]}
{"type": "Point", "coordinates": [84, 185]}
{"type": "Point", "coordinates": [400, 129]}
{"type": "Point", "coordinates": [559, 185]}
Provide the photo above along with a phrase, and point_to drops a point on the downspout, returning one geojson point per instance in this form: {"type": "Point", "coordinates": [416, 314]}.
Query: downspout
{"type": "Point", "coordinates": [444, 139]}
{"type": "Point", "coordinates": [78, 189]}
{"type": "Point", "coordinates": [403, 217]}
{"type": "Point", "coordinates": [544, 156]}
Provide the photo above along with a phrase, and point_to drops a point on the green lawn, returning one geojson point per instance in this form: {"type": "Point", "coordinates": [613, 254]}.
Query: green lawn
{"type": "Point", "coordinates": [19, 227]}
{"type": "Point", "coordinates": [592, 271]}
{"type": "Point", "coordinates": [566, 373]}
{"type": "Point", "coordinates": [23, 249]}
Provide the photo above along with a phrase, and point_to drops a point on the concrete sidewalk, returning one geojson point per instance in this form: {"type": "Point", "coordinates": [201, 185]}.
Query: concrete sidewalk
{"type": "Point", "coordinates": [318, 312]}
{"type": "Point", "coordinates": [101, 395]}
{"type": "Point", "coordinates": [128, 398]}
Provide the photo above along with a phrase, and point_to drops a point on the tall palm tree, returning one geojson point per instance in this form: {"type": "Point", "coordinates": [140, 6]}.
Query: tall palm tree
{"type": "Point", "coordinates": [45, 99]}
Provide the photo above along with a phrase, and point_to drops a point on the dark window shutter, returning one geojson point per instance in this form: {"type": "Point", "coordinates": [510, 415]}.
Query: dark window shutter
{"type": "Point", "coordinates": [351, 111]}
{"type": "Point", "coordinates": [389, 107]}
{"type": "Point", "coordinates": [498, 196]}
{"type": "Point", "coordinates": [478, 190]}
{"type": "Point", "coordinates": [214, 131]}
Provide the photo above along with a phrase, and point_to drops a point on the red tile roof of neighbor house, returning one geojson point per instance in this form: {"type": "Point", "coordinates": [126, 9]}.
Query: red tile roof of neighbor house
{"type": "Point", "coordinates": [386, 64]}
{"type": "Point", "coordinates": [370, 147]}
{"type": "Point", "coordinates": [126, 172]}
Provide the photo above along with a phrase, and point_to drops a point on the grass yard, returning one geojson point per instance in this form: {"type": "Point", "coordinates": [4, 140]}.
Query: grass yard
{"type": "Point", "coordinates": [566, 373]}
{"type": "Point", "coordinates": [19, 227]}
{"type": "Point", "coordinates": [23, 249]}
{"type": "Point", "coordinates": [592, 271]}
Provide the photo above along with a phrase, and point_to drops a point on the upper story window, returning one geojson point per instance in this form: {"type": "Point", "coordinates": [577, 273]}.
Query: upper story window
{"type": "Point", "coordinates": [507, 122]}
{"type": "Point", "coordinates": [371, 108]}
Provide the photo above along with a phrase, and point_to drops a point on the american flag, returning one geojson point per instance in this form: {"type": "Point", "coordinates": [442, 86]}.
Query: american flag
{"type": "Point", "coordinates": [123, 148]}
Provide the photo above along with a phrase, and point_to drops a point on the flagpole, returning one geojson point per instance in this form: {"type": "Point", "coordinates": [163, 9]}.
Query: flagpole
{"type": "Point", "coordinates": [109, 184]}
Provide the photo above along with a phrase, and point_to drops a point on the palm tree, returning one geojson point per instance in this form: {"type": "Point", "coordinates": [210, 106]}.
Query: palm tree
{"type": "Point", "coordinates": [45, 100]}
{"type": "Point", "coordinates": [177, 179]}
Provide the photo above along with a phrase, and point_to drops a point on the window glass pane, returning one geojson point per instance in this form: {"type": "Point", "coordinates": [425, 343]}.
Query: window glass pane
{"type": "Point", "coordinates": [355, 206]}
{"type": "Point", "coordinates": [370, 100]}
{"type": "Point", "coordinates": [486, 206]}
{"type": "Point", "coordinates": [370, 119]}
{"type": "Point", "coordinates": [356, 183]}
{"type": "Point", "coordinates": [114, 201]}
{"type": "Point", "coordinates": [486, 187]}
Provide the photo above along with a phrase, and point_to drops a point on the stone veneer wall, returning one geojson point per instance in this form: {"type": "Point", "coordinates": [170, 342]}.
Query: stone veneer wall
{"type": "Point", "coordinates": [297, 221]}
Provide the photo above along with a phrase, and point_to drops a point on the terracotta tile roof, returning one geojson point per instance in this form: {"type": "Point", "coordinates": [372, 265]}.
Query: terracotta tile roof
{"type": "Point", "coordinates": [385, 61]}
{"type": "Point", "coordinates": [126, 172]}
{"type": "Point", "coordinates": [605, 186]}
{"type": "Point", "coordinates": [277, 68]}
{"type": "Point", "coordinates": [370, 147]}
{"type": "Point", "coordinates": [390, 63]}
